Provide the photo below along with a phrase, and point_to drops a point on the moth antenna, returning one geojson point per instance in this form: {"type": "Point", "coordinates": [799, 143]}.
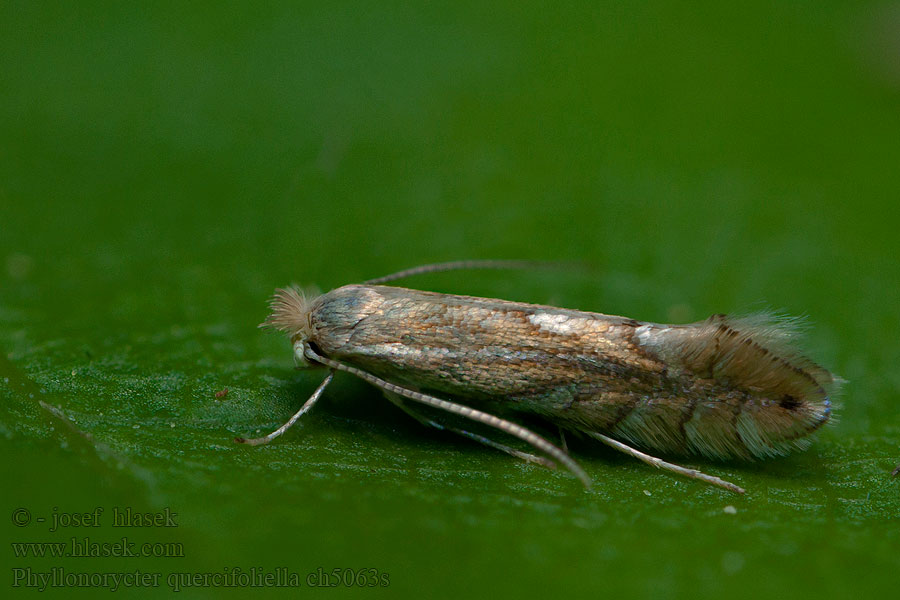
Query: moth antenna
{"type": "Point", "coordinates": [303, 409]}
{"type": "Point", "coordinates": [490, 420]}
{"type": "Point", "coordinates": [461, 264]}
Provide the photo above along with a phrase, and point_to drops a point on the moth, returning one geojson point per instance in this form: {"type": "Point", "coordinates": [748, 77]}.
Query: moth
{"type": "Point", "coordinates": [722, 388]}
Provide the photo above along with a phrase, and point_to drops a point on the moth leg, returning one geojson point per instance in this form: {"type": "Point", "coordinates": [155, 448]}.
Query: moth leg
{"type": "Point", "coordinates": [661, 464]}
{"type": "Point", "coordinates": [398, 401]}
{"type": "Point", "coordinates": [562, 440]}
{"type": "Point", "coordinates": [306, 406]}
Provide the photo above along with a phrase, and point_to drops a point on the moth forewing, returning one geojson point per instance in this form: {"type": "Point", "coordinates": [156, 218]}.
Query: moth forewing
{"type": "Point", "coordinates": [763, 398]}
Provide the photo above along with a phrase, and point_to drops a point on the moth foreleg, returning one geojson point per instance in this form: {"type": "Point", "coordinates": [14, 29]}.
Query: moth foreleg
{"type": "Point", "coordinates": [306, 406]}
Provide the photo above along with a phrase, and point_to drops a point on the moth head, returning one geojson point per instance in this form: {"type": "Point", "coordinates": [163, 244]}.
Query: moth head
{"type": "Point", "coordinates": [291, 313]}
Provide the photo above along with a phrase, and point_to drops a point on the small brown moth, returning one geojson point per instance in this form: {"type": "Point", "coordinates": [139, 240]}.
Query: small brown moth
{"type": "Point", "coordinates": [721, 388]}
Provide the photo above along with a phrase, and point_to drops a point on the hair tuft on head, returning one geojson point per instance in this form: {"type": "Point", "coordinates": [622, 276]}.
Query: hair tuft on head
{"type": "Point", "coordinates": [291, 308]}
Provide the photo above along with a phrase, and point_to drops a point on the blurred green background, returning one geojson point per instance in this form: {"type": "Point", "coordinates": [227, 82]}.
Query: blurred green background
{"type": "Point", "coordinates": [164, 166]}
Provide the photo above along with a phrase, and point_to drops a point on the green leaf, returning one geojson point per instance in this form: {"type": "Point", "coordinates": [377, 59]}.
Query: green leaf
{"type": "Point", "coordinates": [163, 169]}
